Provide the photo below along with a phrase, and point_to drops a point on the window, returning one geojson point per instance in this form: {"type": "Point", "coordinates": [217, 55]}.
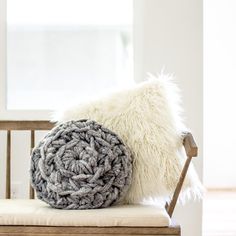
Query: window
{"type": "Point", "coordinates": [61, 51]}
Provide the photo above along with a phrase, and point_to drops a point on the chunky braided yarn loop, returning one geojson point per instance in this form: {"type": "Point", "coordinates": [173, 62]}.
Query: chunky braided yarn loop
{"type": "Point", "coordinates": [81, 165]}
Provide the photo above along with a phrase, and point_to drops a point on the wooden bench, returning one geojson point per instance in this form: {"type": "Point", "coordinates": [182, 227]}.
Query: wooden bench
{"type": "Point", "coordinates": [139, 225]}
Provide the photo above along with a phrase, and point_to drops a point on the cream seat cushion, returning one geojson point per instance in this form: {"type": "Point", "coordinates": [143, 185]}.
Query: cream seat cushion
{"type": "Point", "coordinates": [35, 212]}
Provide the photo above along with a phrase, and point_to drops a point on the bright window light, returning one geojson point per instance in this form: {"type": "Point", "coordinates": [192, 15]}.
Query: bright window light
{"type": "Point", "coordinates": [65, 51]}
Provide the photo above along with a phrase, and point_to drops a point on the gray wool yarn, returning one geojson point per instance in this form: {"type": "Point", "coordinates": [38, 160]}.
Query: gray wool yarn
{"type": "Point", "coordinates": [81, 165]}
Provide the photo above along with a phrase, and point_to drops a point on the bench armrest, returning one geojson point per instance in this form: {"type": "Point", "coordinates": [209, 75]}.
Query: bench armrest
{"type": "Point", "coordinates": [189, 145]}
{"type": "Point", "coordinates": [191, 151]}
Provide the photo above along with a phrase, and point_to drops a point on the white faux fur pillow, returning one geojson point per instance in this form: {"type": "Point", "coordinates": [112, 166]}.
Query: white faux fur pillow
{"type": "Point", "coordinates": [147, 118]}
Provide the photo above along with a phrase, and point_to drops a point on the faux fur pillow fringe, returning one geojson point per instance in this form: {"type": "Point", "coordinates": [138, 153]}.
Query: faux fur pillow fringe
{"type": "Point", "coordinates": [148, 119]}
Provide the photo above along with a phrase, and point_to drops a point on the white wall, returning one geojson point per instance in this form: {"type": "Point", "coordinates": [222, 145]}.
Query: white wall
{"type": "Point", "coordinates": [171, 36]}
{"type": "Point", "coordinates": [219, 93]}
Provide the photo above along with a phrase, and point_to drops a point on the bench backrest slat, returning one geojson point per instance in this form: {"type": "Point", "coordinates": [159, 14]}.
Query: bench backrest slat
{"type": "Point", "coordinates": [8, 166]}
{"type": "Point", "coordinates": [32, 144]}
{"type": "Point", "coordinates": [20, 125]}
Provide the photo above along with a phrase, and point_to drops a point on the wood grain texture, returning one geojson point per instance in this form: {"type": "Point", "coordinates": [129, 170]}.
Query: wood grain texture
{"type": "Point", "coordinates": [171, 207]}
{"type": "Point", "coordinates": [40, 230]}
{"type": "Point", "coordinates": [65, 234]}
{"type": "Point", "coordinates": [8, 166]}
{"type": "Point", "coordinates": [32, 144]}
{"type": "Point", "coordinates": [78, 234]}
{"type": "Point", "coordinates": [190, 145]}
{"type": "Point", "coordinates": [191, 151]}
{"type": "Point", "coordinates": [25, 125]}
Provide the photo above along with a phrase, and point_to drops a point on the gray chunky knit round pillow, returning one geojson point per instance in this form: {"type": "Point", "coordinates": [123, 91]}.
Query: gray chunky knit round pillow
{"type": "Point", "coordinates": [81, 165]}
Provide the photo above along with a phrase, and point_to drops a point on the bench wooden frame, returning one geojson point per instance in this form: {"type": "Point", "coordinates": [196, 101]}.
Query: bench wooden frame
{"type": "Point", "coordinates": [191, 151]}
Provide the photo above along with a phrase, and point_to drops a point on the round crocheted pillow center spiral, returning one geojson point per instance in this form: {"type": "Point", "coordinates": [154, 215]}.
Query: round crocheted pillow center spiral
{"type": "Point", "coordinates": [81, 165]}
